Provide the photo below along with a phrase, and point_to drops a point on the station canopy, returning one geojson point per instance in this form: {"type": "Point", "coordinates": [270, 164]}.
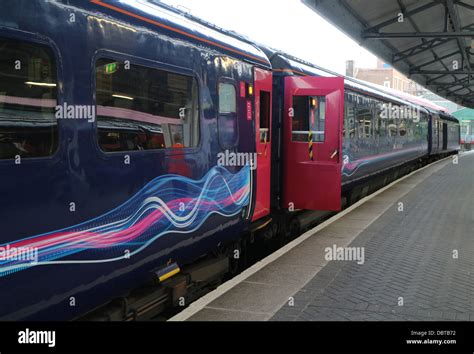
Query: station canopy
{"type": "Point", "coordinates": [429, 41]}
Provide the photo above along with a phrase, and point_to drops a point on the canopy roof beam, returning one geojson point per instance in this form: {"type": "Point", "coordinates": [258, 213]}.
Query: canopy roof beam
{"type": "Point", "coordinates": [458, 34]}
{"type": "Point", "coordinates": [415, 26]}
{"type": "Point", "coordinates": [453, 14]}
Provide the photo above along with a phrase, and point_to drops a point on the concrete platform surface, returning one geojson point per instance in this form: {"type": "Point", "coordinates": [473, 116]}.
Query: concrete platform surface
{"type": "Point", "coordinates": [417, 242]}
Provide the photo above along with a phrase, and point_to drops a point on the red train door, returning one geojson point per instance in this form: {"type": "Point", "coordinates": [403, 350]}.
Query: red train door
{"type": "Point", "coordinates": [314, 110]}
{"type": "Point", "coordinates": [263, 113]}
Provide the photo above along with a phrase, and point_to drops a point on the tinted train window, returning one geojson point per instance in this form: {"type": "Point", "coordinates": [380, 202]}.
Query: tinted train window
{"type": "Point", "coordinates": [227, 121]}
{"type": "Point", "coordinates": [381, 120]}
{"type": "Point", "coordinates": [141, 108]}
{"type": "Point", "coordinates": [28, 97]}
{"type": "Point", "coordinates": [227, 98]}
{"type": "Point", "coordinates": [265, 116]}
{"type": "Point", "coordinates": [300, 122]}
{"type": "Point", "coordinates": [392, 127]}
{"type": "Point", "coordinates": [349, 120]}
{"type": "Point", "coordinates": [364, 122]}
{"type": "Point", "coordinates": [403, 127]}
{"type": "Point", "coordinates": [309, 118]}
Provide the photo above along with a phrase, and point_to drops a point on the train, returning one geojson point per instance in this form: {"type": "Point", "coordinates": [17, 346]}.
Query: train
{"type": "Point", "coordinates": [144, 148]}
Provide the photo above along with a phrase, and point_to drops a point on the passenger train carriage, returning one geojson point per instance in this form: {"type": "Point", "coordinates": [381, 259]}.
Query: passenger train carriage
{"type": "Point", "coordinates": [136, 140]}
{"type": "Point", "coordinates": [345, 131]}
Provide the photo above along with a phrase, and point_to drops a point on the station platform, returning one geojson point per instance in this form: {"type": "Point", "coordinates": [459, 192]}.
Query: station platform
{"type": "Point", "coordinates": [416, 238]}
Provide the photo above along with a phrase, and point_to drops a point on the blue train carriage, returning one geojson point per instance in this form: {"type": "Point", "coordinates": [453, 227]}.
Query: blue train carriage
{"type": "Point", "coordinates": [379, 132]}
{"type": "Point", "coordinates": [113, 118]}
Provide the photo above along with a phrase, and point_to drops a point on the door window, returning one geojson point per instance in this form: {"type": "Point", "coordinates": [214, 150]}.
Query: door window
{"type": "Point", "coordinates": [264, 117]}
{"type": "Point", "coordinates": [227, 121]}
{"type": "Point", "coordinates": [309, 118]}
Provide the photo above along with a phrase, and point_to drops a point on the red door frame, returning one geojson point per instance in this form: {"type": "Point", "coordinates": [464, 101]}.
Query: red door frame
{"type": "Point", "coordinates": [314, 184]}
{"type": "Point", "coordinates": [263, 82]}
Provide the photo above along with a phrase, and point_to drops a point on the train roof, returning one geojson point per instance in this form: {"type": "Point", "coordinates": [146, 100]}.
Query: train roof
{"type": "Point", "coordinates": [448, 116]}
{"type": "Point", "coordinates": [194, 28]}
{"type": "Point", "coordinates": [181, 24]}
{"type": "Point", "coordinates": [290, 64]}
{"type": "Point", "coordinates": [464, 114]}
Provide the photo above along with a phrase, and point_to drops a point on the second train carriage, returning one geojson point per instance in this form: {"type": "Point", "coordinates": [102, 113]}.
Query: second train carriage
{"type": "Point", "coordinates": [336, 132]}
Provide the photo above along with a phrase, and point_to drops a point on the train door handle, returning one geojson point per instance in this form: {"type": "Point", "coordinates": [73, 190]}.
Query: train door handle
{"type": "Point", "coordinates": [334, 154]}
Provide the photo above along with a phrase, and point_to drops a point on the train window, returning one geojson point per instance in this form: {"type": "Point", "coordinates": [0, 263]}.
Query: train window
{"type": "Point", "coordinates": [381, 120]}
{"type": "Point", "coordinates": [392, 128]}
{"type": "Point", "coordinates": [392, 125]}
{"type": "Point", "coordinates": [403, 127]}
{"type": "Point", "coordinates": [28, 97]}
{"type": "Point", "coordinates": [227, 98]}
{"type": "Point", "coordinates": [364, 122]}
{"type": "Point", "coordinates": [422, 125]}
{"type": "Point", "coordinates": [349, 119]}
{"type": "Point", "coordinates": [227, 121]}
{"type": "Point", "coordinates": [265, 116]}
{"type": "Point", "coordinates": [320, 119]}
{"type": "Point", "coordinates": [300, 121]}
{"type": "Point", "coordinates": [141, 108]}
{"type": "Point", "coordinates": [309, 118]}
